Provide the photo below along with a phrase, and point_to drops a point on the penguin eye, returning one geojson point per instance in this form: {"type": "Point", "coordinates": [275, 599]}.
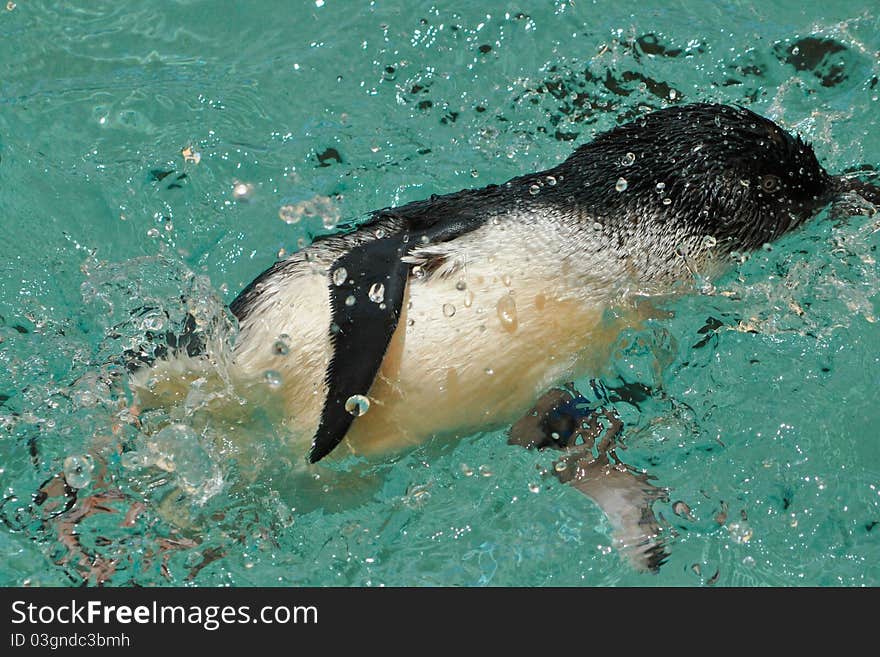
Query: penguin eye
{"type": "Point", "coordinates": [770, 183]}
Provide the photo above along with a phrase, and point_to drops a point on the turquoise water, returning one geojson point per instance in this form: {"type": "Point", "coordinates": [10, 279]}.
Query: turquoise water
{"type": "Point", "coordinates": [158, 151]}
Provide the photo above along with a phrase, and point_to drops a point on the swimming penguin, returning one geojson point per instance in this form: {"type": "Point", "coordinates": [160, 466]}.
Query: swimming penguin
{"type": "Point", "coordinates": [455, 314]}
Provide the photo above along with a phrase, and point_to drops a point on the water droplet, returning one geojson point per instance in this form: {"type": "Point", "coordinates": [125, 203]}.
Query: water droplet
{"type": "Point", "coordinates": [349, 300]}
{"type": "Point", "coordinates": [461, 286]}
{"type": "Point", "coordinates": [468, 299]}
{"type": "Point", "coordinates": [357, 405]}
{"type": "Point", "coordinates": [272, 378]}
{"type": "Point", "coordinates": [380, 233]}
{"type": "Point", "coordinates": [709, 242]}
{"type": "Point", "coordinates": [506, 309]}
{"type": "Point", "coordinates": [628, 159]}
{"type": "Point", "coordinates": [621, 185]}
{"type": "Point", "coordinates": [153, 232]}
{"type": "Point", "coordinates": [290, 214]}
{"type": "Point", "coordinates": [466, 470]}
{"type": "Point", "coordinates": [417, 496]}
{"type": "Point", "coordinates": [489, 371]}
{"type": "Point", "coordinates": [485, 471]}
{"type": "Point", "coordinates": [667, 201]}
{"type": "Point", "coordinates": [376, 294]}
{"type": "Point", "coordinates": [767, 247]}
{"type": "Point", "coordinates": [534, 190]}
{"type": "Point", "coordinates": [340, 274]}
{"type": "Point", "coordinates": [740, 532]}
{"type": "Point", "coordinates": [597, 225]}
{"type": "Point", "coordinates": [660, 186]}
{"type": "Point", "coordinates": [506, 279]}
{"type": "Point", "coordinates": [551, 181]}
{"type": "Point", "coordinates": [560, 466]}
{"type": "Point", "coordinates": [78, 470]}
{"type": "Point", "coordinates": [534, 488]}
{"type": "Point", "coordinates": [280, 348]}
{"type": "Point", "coordinates": [242, 191]}
{"type": "Point", "coordinates": [448, 310]}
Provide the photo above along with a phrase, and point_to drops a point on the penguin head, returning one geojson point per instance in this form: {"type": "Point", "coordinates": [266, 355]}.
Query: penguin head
{"type": "Point", "coordinates": [705, 169]}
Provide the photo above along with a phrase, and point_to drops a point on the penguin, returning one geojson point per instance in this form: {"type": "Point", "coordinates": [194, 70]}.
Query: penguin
{"type": "Point", "coordinates": [461, 312]}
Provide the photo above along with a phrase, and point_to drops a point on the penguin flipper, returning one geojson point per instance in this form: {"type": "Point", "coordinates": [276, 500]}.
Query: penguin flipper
{"type": "Point", "coordinates": [365, 308]}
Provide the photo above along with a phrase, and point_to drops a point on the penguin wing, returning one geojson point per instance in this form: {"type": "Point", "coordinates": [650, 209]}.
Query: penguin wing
{"type": "Point", "coordinates": [366, 307]}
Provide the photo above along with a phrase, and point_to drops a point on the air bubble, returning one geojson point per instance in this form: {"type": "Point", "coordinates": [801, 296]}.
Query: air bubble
{"type": "Point", "coordinates": [709, 242]}
{"type": "Point", "coordinates": [551, 181]}
{"type": "Point", "coordinates": [534, 190]}
{"type": "Point", "coordinates": [621, 185]}
{"type": "Point", "coordinates": [78, 470]}
{"type": "Point", "coordinates": [628, 160]}
{"type": "Point", "coordinates": [448, 310]}
{"type": "Point", "coordinates": [153, 323]}
{"type": "Point", "coordinates": [357, 405]}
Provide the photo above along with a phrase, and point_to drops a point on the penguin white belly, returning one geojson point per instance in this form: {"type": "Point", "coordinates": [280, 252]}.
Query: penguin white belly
{"type": "Point", "coordinates": [507, 314]}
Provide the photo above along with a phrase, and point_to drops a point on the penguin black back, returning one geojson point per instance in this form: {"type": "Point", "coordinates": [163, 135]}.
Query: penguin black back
{"type": "Point", "coordinates": [702, 168]}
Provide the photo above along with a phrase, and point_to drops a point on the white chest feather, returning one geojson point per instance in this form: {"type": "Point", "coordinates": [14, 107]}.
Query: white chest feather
{"type": "Point", "coordinates": [513, 309]}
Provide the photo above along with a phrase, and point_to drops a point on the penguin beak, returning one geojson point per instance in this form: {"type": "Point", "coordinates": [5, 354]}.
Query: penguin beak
{"type": "Point", "coordinates": [852, 196]}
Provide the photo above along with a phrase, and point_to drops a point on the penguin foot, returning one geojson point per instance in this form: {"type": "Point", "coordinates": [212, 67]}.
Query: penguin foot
{"type": "Point", "coordinates": [565, 420]}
